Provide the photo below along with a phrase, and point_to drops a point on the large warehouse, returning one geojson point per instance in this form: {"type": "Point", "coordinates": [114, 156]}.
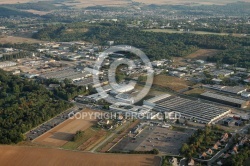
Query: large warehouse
{"type": "Point", "coordinates": [189, 109]}
{"type": "Point", "coordinates": [231, 101]}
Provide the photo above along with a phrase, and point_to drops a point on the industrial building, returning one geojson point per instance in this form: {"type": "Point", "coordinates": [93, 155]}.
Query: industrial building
{"type": "Point", "coordinates": [129, 109]}
{"type": "Point", "coordinates": [236, 90]}
{"type": "Point", "coordinates": [126, 98]}
{"type": "Point", "coordinates": [228, 121]}
{"type": "Point", "coordinates": [67, 73]}
{"type": "Point", "coordinates": [91, 98]}
{"type": "Point", "coordinates": [223, 72]}
{"type": "Point", "coordinates": [7, 64]}
{"type": "Point", "coordinates": [231, 101]}
{"type": "Point", "coordinates": [188, 109]}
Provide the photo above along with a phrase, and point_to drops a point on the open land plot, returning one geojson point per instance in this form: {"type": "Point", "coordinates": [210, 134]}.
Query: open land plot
{"type": "Point", "coordinates": [195, 92]}
{"type": "Point", "coordinates": [15, 39]}
{"type": "Point", "coordinates": [64, 132]}
{"type": "Point", "coordinates": [90, 138]}
{"type": "Point", "coordinates": [203, 53]}
{"type": "Point", "coordinates": [173, 83]}
{"type": "Point", "coordinates": [165, 140]}
{"type": "Point", "coordinates": [29, 156]}
{"type": "Point", "coordinates": [41, 13]}
{"type": "Point", "coordinates": [192, 32]}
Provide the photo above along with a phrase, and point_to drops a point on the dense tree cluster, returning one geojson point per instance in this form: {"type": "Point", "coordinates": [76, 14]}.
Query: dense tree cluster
{"type": "Point", "coordinates": [198, 141]}
{"type": "Point", "coordinates": [66, 90]}
{"type": "Point", "coordinates": [70, 91]}
{"type": "Point", "coordinates": [237, 57]}
{"type": "Point", "coordinates": [40, 6]}
{"type": "Point", "coordinates": [239, 159]}
{"type": "Point", "coordinates": [7, 12]}
{"type": "Point", "coordinates": [154, 151]}
{"type": "Point", "coordinates": [24, 104]}
{"type": "Point", "coordinates": [78, 135]}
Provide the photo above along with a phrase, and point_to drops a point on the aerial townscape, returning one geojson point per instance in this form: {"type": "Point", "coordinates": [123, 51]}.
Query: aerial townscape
{"type": "Point", "coordinates": [124, 83]}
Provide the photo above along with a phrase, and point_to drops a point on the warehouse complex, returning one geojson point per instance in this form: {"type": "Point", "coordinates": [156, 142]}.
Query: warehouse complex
{"type": "Point", "coordinates": [189, 109]}
{"type": "Point", "coordinates": [231, 101]}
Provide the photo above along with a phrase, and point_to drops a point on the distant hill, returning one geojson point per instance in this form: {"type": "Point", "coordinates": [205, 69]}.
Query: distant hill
{"type": "Point", "coordinates": [7, 12]}
{"type": "Point", "coordinates": [87, 3]}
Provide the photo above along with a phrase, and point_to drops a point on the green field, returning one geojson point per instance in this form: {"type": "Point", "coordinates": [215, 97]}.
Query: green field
{"type": "Point", "coordinates": [73, 145]}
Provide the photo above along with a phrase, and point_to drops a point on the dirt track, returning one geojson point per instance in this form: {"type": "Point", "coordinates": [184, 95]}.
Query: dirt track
{"type": "Point", "coordinates": [29, 156]}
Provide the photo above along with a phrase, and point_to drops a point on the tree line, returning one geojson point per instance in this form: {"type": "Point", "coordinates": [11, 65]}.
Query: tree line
{"type": "Point", "coordinates": [155, 45]}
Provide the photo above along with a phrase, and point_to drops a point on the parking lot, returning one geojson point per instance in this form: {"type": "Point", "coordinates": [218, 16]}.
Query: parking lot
{"type": "Point", "coordinates": [167, 141]}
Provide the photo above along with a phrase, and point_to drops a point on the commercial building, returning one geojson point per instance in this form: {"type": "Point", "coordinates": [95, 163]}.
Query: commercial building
{"type": "Point", "coordinates": [231, 101]}
{"type": "Point", "coordinates": [188, 109]}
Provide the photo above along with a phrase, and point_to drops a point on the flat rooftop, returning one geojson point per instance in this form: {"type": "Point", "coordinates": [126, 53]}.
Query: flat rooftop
{"type": "Point", "coordinates": [192, 109]}
{"type": "Point", "coordinates": [223, 98]}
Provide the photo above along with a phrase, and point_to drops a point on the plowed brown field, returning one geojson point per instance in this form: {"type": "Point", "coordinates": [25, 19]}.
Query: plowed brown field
{"type": "Point", "coordinates": [30, 156]}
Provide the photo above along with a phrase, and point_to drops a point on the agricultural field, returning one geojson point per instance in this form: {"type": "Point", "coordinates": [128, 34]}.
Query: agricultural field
{"type": "Point", "coordinates": [84, 3]}
{"type": "Point", "coordinates": [173, 83]}
{"type": "Point", "coordinates": [63, 133]}
{"type": "Point", "coordinates": [29, 156]}
{"type": "Point", "coordinates": [41, 13]}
